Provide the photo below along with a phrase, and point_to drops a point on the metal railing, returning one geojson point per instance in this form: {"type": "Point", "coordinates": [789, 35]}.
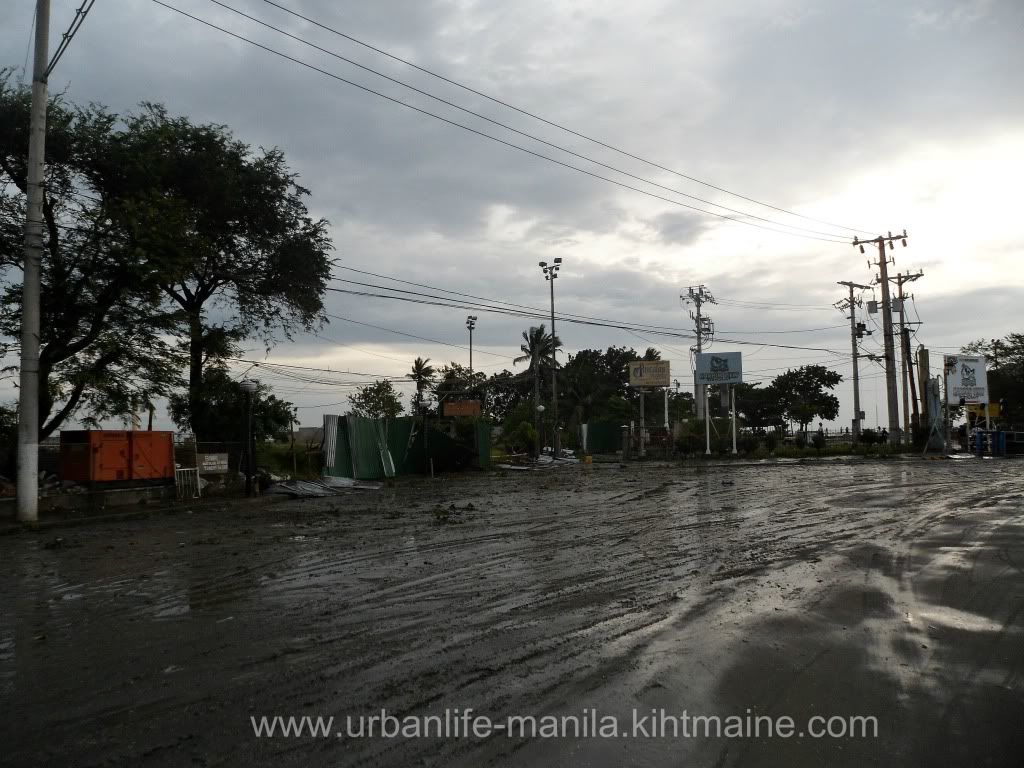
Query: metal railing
{"type": "Point", "coordinates": [187, 483]}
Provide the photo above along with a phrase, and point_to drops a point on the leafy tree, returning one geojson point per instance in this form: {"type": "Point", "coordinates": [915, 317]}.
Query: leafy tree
{"type": "Point", "coordinates": [157, 231]}
{"type": "Point", "coordinates": [760, 408]}
{"type": "Point", "coordinates": [226, 403]}
{"type": "Point", "coordinates": [379, 400]}
{"type": "Point", "coordinates": [505, 391]}
{"type": "Point", "coordinates": [587, 384]}
{"type": "Point", "coordinates": [802, 394]}
{"type": "Point", "coordinates": [596, 383]}
{"type": "Point", "coordinates": [104, 346]}
{"type": "Point", "coordinates": [457, 382]}
{"type": "Point", "coordinates": [242, 256]}
{"type": "Point", "coordinates": [680, 405]}
{"type": "Point", "coordinates": [423, 375]}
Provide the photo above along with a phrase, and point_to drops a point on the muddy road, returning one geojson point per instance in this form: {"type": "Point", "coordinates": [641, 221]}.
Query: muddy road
{"type": "Point", "coordinates": [885, 590]}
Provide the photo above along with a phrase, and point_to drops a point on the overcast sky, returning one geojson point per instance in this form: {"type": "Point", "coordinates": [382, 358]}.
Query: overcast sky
{"type": "Point", "coordinates": [881, 115]}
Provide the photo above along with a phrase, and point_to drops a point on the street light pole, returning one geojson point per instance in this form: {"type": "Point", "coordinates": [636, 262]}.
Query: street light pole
{"type": "Point", "coordinates": [471, 324]}
{"type": "Point", "coordinates": [550, 273]}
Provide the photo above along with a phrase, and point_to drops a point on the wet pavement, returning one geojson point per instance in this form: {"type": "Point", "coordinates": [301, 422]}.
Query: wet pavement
{"type": "Point", "coordinates": [890, 590]}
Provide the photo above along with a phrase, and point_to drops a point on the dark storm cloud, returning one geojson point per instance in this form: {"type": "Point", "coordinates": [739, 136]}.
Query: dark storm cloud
{"type": "Point", "coordinates": [781, 100]}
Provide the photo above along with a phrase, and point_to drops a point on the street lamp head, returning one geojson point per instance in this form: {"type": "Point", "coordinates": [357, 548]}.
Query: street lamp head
{"type": "Point", "coordinates": [558, 259]}
{"type": "Point", "coordinates": [540, 409]}
{"type": "Point", "coordinates": [249, 386]}
{"type": "Point", "coordinates": [542, 263]}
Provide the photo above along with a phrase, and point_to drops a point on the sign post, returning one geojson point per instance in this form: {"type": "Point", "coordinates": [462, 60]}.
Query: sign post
{"type": "Point", "coordinates": [966, 382]}
{"type": "Point", "coordinates": [732, 393]}
{"type": "Point", "coordinates": [707, 423]}
{"type": "Point", "coordinates": [723, 369]}
{"type": "Point", "coordinates": [644, 374]}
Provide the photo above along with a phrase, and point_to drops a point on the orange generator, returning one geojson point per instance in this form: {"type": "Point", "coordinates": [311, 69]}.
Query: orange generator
{"type": "Point", "coordinates": [101, 455]}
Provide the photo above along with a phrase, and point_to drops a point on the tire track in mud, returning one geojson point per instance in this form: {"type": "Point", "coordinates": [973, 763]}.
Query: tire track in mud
{"type": "Point", "coordinates": [551, 587]}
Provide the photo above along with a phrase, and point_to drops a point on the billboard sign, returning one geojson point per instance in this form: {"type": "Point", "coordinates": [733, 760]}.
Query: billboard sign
{"type": "Point", "coordinates": [720, 368]}
{"type": "Point", "coordinates": [965, 379]}
{"type": "Point", "coordinates": [649, 373]}
{"type": "Point", "coordinates": [460, 408]}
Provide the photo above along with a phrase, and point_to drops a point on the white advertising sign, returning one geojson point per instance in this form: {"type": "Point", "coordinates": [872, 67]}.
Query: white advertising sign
{"type": "Point", "coordinates": [649, 373]}
{"type": "Point", "coordinates": [965, 379]}
{"type": "Point", "coordinates": [720, 368]}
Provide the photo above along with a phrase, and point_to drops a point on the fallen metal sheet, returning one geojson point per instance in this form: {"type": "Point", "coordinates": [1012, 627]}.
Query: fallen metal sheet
{"type": "Point", "coordinates": [348, 482]}
{"type": "Point", "coordinates": [310, 489]}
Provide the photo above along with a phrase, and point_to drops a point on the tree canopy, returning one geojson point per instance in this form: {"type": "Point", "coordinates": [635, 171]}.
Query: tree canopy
{"type": "Point", "coordinates": [802, 394]}
{"type": "Point", "coordinates": [226, 409]}
{"type": "Point", "coordinates": [379, 400]}
{"type": "Point", "coordinates": [167, 243]}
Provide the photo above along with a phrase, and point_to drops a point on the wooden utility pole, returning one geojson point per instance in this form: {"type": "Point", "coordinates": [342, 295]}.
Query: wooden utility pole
{"type": "Point", "coordinates": [905, 362]}
{"type": "Point", "coordinates": [856, 332]}
{"type": "Point", "coordinates": [891, 397]}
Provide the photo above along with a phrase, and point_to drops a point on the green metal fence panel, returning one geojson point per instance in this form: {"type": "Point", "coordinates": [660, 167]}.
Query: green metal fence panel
{"type": "Point", "coordinates": [374, 449]}
{"type": "Point", "coordinates": [604, 437]}
{"type": "Point", "coordinates": [342, 452]}
{"type": "Point", "coordinates": [399, 434]}
{"type": "Point", "coordinates": [368, 449]}
{"type": "Point", "coordinates": [483, 444]}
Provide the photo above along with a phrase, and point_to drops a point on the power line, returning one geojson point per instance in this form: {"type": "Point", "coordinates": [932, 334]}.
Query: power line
{"type": "Point", "coordinates": [486, 135]}
{"type": "Point", "coordinates": [414, 336]}
{"type": "Point", "coordinates": [444, 302]}
{"type": "Point", "coordinates": [28, 47]}
{"type": "Point", "coordinates": [76, 24]}
{"type": "Point", "coordinates": [530, 308]}
{"type": "Point", "coordinates": [791, 330]}
{"type": "Point", "coordinates": [508, 127]}
{"type": "Point", "coordinates": [554, 124]}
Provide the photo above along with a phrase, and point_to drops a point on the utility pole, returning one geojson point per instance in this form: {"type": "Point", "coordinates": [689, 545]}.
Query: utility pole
{"type": "Point", "coordinates": [550, 273]}
{"type": "Point", "coordinates": [857, 331]}
{"type": "Point", "coordinates": [28, 396]}
{"type": "Point", "coordinates": [698, 295]}
{"type": "Point", "coordinates": [889, 348]}
{"type": "Point", "coordinates": [900, 279]}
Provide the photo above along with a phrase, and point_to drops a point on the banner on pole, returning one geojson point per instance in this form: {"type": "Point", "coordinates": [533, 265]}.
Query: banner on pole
{"type": "Point", "coordinates": [719, 368]}
{"type": "Point", "coordinates": [965, 379]}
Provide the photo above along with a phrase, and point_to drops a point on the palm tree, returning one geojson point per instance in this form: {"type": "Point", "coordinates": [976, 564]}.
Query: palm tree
{"type": "Point", "coordinates": [537, 348]}
{"type": "Point", "coordinates": [423, 375]}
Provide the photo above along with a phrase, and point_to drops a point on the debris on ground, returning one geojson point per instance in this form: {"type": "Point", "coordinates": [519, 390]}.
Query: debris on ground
{"type": "Point", "coordinates": [311, 489]}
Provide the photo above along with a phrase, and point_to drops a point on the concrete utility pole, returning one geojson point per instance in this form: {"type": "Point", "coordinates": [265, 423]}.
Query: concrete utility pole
{"type": "Point", "coordinates": [900, 279]}
{"type": "Point", "coordinates": [698, 295]}
{"type": "Point", "coordinates": [890, 351]}
{"type": "Point", "coordinates": [28, 396]}
{"type": "Point", "coordinates": [550, 273]}
{"type": "Point", "coordinates": [856, 332]}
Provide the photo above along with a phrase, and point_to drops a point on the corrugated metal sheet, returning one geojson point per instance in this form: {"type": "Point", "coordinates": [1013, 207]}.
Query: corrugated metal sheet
{"type": "Point", "coordinates": [330, 442]}
{"type": "Point", "coordinates": [483, 445]}
{"type": "Point", "coordinates": [373, 449]}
